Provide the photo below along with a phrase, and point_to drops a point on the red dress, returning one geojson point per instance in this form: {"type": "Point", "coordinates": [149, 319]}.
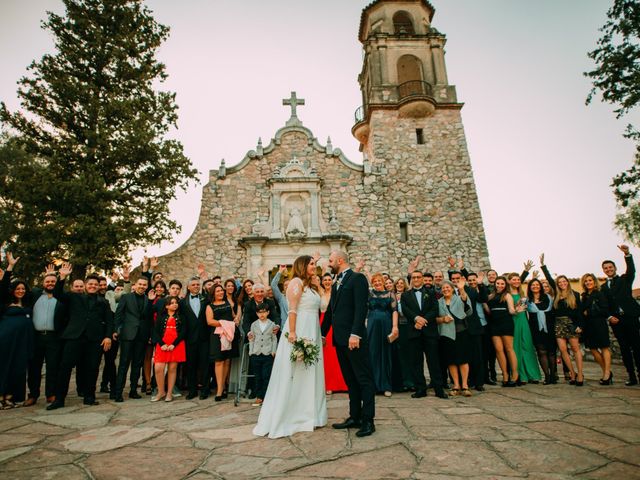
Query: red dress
{"type": "Point", "coordinates": [178, 354]}
{"type": "Point", "coordinates": [332, 374]}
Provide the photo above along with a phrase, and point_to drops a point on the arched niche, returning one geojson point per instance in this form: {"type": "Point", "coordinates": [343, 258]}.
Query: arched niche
{"type": "Point", "coordinates": [403, 23]}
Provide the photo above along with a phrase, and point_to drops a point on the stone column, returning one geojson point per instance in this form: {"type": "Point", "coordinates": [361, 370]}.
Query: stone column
{"type": "Point", "coordinates": [438, 60]}
{"type": "Point", "coordinates": [276, 231]}
{"type": "Point", "coordinates": [382, 60]}
{"type": "Point", "coordinates": [429, 76]}
{"type": "Point", "coordinates": [315, 215]}
{"type": "Point", "coordinates": [254, 259]}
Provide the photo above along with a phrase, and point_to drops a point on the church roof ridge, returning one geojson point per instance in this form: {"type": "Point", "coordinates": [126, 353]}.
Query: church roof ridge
{"type": "Point", "coordinates": [365, 12]}
{"type": "Point", "coordinates": [261, 151]}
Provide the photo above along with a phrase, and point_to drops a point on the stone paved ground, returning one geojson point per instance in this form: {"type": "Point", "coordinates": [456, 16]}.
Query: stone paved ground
{"type": "Point", "coordinates": [540, 432]}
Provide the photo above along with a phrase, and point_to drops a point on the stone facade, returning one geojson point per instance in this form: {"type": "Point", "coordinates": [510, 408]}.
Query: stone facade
{"type": "Point", "coordinates": [413, 195]}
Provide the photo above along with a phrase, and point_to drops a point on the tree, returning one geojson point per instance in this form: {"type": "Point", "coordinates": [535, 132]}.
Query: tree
{"type": "Point", "coordinates": [617, 78]}
{"type": "Point", "coordinates": [96, 130]}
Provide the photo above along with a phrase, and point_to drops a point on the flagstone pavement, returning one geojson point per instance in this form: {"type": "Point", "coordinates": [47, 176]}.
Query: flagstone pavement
{"type": "Point", "coordinates": [539, 432]}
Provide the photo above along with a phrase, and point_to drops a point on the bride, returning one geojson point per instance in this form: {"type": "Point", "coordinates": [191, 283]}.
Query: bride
{"type": "Point", "coordinates": [295, 399]}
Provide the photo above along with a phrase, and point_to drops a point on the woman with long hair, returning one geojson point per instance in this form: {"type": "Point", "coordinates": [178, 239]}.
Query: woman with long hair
{"type": "Point", "coordinates": [597, 310]}
{"type": "Point", "coordinates": [168, 337]}
{"type": "Point", "coordinates": [528, 370]}
{"type": "Point", "coordinates": [220, 316]}
{"type": "Point", "coordinates": [160, 289]}
{"type": "Point", "coordinates": [569, 319]}
{"type": "Point", "coordinates": [332, 374]}
{"type": "Point", "coordinates": [16, 336]}
{"type": "Point", "coordinates": [231, 290]}
{"type": "Point", "coordinates": [295, 399]}
{"type": "Point", "coordinates": [246, 292]}
{"type": "Point", "coordinates": [382, 330]}
{"type": "Point", "coordinates": [404, 352]}
{"type": "Point", "coordinates": [542, 326]}
{"type": "Point", "coordinates": [502, 309]}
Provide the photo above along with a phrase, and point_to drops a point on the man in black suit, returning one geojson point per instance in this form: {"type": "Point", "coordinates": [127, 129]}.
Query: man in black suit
{"type": "Point", "coordinates": [420, 307]}
{"type": "Point", "coordinates": [625, 324]}
{"type": "Point", "coordinates": [193, 309]}
{"type": "Point", "coordinates": [347, 313]}
{"type": "Point", "coordinates": [133, 331]}
{"type": "Point", "coordinates": [86, 336]}
{"type": "Point", "coordinates": [48, 323]}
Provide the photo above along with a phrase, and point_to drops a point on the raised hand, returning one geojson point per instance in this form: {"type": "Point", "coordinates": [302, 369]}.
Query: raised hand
{"type": "Point", "coordinates": [541, 259]}
{"type": "Point", "coordinates": [11, 261]}
{"type": "Point", "coordinates": [480, 277]}
{"type": "Point", "coordinates": [623, 248]}
{"type": "Point", "coordinates": [360, 264]}
{"type": "Point", "coordinates": [50, 269]}
{"type": "Point", "coordinates": [528, 265]}
{"type": "Point", "coordinates": [201, 270]}
{"type": "Point", "coordinates": [114, 276]}
{"type": "Point", "coordinates": [151, 294]}
{"type": "Point", "coordinates": [65, 270]}
{"type": "Point", "coordinates": [536, 273]}
{"type": "Point", "coordinates": [452, 262]}
{"type": "Point", "coordinates": [126, 270]}
{"type": "Point", "coordinates": [461, 264]}
{"type": "Point", "coordinates": [153, 263]}
{"type": "Point", "coordinates": [145, 264]}
{"type": "Point", "coordinates": [282, 269]}
{"type": "Point", "coordinates": [413, 264]}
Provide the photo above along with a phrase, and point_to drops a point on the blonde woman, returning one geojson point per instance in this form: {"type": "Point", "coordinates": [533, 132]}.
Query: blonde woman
{"type": "Point", "coordinates": [569, 322]}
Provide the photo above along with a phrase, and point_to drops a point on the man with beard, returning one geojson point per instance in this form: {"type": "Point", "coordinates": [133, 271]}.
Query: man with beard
{"type": "Point", "coordinates": [48, 319]}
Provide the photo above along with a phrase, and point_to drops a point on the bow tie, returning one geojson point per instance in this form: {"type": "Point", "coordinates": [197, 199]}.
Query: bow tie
{"type": "Point", "coordinates": [417, 290]}
{"type": "Point", "coordinates": [195, 296]}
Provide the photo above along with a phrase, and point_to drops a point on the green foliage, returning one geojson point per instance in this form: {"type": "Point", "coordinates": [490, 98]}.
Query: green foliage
{"type": "Point", "coordinates": [617, 78]}
{"type": "Point", "coordinates": [92, 139]}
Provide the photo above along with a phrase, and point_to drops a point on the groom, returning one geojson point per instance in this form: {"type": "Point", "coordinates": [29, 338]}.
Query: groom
{"type": "Point", "coordinates": [347, 313]}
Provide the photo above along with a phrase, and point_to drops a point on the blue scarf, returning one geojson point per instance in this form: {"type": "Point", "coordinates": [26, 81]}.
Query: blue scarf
{"type": "Point", "coordinates": [540, 314]}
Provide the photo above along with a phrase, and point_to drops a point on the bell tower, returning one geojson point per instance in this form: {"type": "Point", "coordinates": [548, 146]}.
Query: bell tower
{"type": "Point", "coordinates": [410, 132]}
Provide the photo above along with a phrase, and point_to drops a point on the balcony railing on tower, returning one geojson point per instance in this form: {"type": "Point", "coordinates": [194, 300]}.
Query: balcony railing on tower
{"type": "Point", "coordinates": [359, 115]}
{"type": "Point", "coordinates": [414, 88]}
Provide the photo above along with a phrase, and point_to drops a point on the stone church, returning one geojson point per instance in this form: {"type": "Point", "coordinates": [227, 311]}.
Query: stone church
{"type": "Point", "coordinates": [413, 194]}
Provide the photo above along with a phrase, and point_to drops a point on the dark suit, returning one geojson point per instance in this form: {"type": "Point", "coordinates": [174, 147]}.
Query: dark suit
{"type": "Point", "coordinates": [627, 311]}
{"type": "Point", "coordinates": [47, 348]}
{"type": "Point", "coordinates": [133, 324]}
{"type": "Point", "coordinates": [90, 322]}
{"type": "Point", "coordinates": [198, 335]}
{"type": "Point", "coordinates": [423, 341]}
{"type": "Point", "coordinates": [347, 313]}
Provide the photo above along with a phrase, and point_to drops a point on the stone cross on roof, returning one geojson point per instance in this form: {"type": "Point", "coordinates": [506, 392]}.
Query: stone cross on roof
{"type": "Point", "coordinates": [293, 102]}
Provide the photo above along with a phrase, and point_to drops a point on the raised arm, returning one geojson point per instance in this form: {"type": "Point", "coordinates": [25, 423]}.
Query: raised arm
{"type": "Point", "coordinates": [546, 273]}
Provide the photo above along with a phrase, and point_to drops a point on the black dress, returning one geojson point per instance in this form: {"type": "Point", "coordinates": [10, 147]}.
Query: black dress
{"type": "Point", "coordinates": [222, 312]}
{"type": "Point", "coordinates": [16, 344]}
{"type": "Point", "coordinates": [540, 337]}
{"type": "Point", "coordinates": [500, 319]}
{"type": "Point", "coordinates": [457, 352]}
{"type": "Point", "coordinates": [596, 325]}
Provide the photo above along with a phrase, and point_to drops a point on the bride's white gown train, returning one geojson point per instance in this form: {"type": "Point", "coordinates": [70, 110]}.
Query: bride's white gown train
{"type": "Point", "coordinates": [295, 399]}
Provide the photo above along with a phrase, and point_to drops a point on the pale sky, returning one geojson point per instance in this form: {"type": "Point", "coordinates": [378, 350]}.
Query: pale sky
{"type": "Point", "coordinates": [542, 160]}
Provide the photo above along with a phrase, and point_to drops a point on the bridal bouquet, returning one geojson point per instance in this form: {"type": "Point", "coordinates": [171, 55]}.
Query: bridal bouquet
{"type": "Point", "coordinates": [304, 350]}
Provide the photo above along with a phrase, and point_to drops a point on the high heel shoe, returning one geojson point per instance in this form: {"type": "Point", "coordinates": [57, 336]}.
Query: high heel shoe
{"type": "Point", "coordinates": [608, 381]}
{"type": "Point", "coordinates": [579, 383]}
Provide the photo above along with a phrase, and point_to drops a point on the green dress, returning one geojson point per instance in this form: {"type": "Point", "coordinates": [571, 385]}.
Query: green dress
{"type": "Point", "coordinates": [528, 368]}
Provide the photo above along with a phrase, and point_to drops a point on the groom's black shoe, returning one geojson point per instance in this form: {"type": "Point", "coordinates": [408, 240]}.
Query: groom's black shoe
{"type": "Point", "coordinates": [366, 429]}
{"type": "Point", "coordinates": [348, 423]}
{"type": "Point", "coordinates": [440, 393]}
{"type": "Point", "coordinates": [419, 394]}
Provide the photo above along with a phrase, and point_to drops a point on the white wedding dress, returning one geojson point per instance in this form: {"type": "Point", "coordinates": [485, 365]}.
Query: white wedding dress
{"type": "Point", "coordinates": [295, 399]}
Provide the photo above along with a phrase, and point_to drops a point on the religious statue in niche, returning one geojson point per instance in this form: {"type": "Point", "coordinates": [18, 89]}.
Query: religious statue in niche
{"type": "Point", "coordinates": [295, 227]}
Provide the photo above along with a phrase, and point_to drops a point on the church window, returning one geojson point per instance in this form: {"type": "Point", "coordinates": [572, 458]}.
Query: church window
{"type": "Point", "coordinates": [410, 76]}
{"type": "Point", "coordinates": [419, 136]}
{"type": "Point", "coordinates": [404, 231]}
{"type": "Point", "coordinates": [402, 23]}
